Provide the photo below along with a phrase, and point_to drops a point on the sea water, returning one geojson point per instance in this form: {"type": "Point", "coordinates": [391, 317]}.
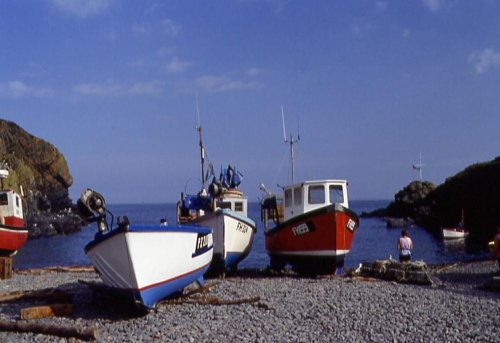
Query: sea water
{"type": "Point", "coordinates": [373, 240]}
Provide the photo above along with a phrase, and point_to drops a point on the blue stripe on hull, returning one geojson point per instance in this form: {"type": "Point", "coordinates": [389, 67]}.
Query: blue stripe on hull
{"type": "Point", "coordinates": [233, 258]}
{"type": "Point", "coordinates": [150, 296]}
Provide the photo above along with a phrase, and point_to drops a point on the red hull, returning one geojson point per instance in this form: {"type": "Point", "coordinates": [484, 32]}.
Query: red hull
{"type": "Point", "coordinates": [14, 221]}
{"type": "Point", "coordinates": [12, 238]}
{"type": "Point", "coordinates": [316, 241]}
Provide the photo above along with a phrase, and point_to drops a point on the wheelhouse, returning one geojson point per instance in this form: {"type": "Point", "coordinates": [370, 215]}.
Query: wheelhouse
{"type": "Point", "coordinates": [11, 208]}
{"type": "Point", "coordinates": [310, 195]}
{"type": "Point", "coordinates": [235, 201]}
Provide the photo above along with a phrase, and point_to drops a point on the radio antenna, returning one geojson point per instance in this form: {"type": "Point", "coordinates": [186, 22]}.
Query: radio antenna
{"type": "Point", "coordinates": [290, 141]}
{"type": "Point", "coordinates": [419, 166]}
{"type": "Point", "coordinates": [283, 119]}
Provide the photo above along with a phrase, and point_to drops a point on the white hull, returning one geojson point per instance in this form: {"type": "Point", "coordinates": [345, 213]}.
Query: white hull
{"type": "Point", "coordinates": [232, 233]}
{"type": "Point", "coordinates": [151, 262]}
{"type": "Point", "coordinates": [453, 233]}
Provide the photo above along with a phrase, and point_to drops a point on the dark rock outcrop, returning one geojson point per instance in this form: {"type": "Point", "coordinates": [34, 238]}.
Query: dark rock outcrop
{"type": "Point", "coordinates": [475, 191]}
{"type": "Point", "coordinates": [409, 206]}
{"type": "Point", "coordinates": [42, 172]}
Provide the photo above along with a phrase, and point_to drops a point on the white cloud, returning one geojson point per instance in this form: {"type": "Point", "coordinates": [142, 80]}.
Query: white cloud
{"type": "Point", "coordinates": [82, 8]}
{"type": "Point", "coordinates": [212, 83]}
{"type": "Point", "coordinates": [381, 6]}
{"type": "Point", "coordinates": [137, 64]}
{"type": "Point", "coordinates": [152, 87]}
{"type": "Point", "coordinates": [170, 27]}
{"type": "Point", "coordinates": [484, 60]}
{"type": "Point", "coordinates": [17, 89]}
{"type": "Point", "coordinates": [177, 66]}
{"type": "Point", "coordinates": [254, 72]}
{"type": "Point", "coordinates": [433, 5]}
{"type": "Point", "coordinates": [140, 29]}
{"type": "Point", "coordinates": [111, 88]}
{"type": "Point", "coordinates": [108, 89]}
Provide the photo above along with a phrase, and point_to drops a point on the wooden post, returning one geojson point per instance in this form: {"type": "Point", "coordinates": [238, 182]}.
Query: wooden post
{"type": "Point", "coordinates": [5, 267]}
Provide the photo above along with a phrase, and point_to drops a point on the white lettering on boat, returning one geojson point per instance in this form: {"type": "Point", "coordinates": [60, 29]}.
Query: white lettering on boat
{"type": "Point", "coordinates": [300, 229]}
{"type": "Point", "coordinates": [351, 224]}
{"type": "Point", "coordinates": [201, 242]}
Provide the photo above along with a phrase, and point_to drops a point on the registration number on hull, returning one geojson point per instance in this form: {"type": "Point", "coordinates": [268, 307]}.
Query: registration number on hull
{"type": "Point", "coordinates": [201, 242]}
{"type": "Point", "coordinates": [242, 228]}
{"type": "Point", "coordinates": [302, 229]}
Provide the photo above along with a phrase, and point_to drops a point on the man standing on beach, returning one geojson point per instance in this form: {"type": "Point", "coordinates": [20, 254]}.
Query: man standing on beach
{"type": "Point", "coordinates": [404, 246]}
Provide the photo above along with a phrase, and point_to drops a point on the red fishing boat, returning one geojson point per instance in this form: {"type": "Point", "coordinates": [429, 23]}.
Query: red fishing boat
{"type": "Point", "coordinates": [13, 232]}
{"type": "Point", "coordinates": [310, 225]}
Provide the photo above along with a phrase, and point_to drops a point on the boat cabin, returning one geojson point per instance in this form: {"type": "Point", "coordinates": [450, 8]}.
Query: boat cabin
{"type": "Point", "coordinates": [191, 207]}
{"type": "Point", "coordinates": [234, 200]}
{"type": "Point", "coordinates": [11, 209]}
{"type": "Point", "coordinates": [310, 195]}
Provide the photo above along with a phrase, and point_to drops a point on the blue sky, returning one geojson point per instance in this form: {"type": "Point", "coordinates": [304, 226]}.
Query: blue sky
{"type": "Point", "coordinates": [369, 84]}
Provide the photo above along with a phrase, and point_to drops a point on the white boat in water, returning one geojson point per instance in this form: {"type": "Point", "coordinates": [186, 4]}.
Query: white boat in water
{"type": "Point", "coordinates": [452, 232]}
{"type": "Point", "coordinates": [458, 231]}
{"type": "Point", "coordinates": [146, 262]}
{"type": "Point", "coordinates": [224, 209]}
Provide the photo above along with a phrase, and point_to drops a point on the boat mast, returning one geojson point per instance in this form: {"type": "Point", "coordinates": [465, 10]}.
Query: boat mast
{"type": "Point", "coordinates": [290, 141]}
{"type": "Point", "coordinates": [202, 149]}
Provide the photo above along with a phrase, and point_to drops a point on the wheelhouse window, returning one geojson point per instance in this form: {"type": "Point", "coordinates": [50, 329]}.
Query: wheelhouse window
{"type": "Point", "coordinates": [3, 199]}
{"type": "Point", "coordinates": [288, 197]}
{"type": "Point", "coordinates": [336, 194]}
{"type": "Point", "coordinates": [17, 201]}
{"type": "Point", "coordinates": [316, 195]}
{"type": "Point", "coordinates": [225, 205]}
{"type": "Point", "coordinates": [297, 196]}
{"type": "Point", "coordinates": [238, 206]}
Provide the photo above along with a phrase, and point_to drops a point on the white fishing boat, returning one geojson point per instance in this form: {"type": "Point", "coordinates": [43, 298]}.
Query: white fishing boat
{"type": "Point", "coordinates": [223, 208]}
{"type": "Point", "coordinates": [13, 231]}
{"type": "Point", "coordinates": [145, 262]}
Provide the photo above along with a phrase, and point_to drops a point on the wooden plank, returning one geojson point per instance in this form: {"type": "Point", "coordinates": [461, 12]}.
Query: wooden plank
{"type": "Point", "coordinates": [86, 334]}
{"type": "Point", "coordinates": [5, 267]}
{"type": "Point", "coordinates": [52, 310]}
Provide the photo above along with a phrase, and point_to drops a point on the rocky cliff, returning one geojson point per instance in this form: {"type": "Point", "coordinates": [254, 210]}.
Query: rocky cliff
{"type": "Point", "coordinates": [475, 191]}
{"type": "Point", "coordinates": [42, 172]}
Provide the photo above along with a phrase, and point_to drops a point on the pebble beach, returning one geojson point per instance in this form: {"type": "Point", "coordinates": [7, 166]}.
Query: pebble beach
{"type": "Point", "coordinates": [257, 306]}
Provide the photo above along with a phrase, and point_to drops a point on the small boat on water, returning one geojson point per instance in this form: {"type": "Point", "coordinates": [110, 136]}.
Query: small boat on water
{"type": "Point", "coordinates": [455, 232]}
{"type": "Point", "coordinates": [309, 225]}
{"type": "Point", "coordinates": [146, 263]}
{"type": "Point", "coordinates": [13, 231]}
{"type": "Point", "coordinates": [224, 209]}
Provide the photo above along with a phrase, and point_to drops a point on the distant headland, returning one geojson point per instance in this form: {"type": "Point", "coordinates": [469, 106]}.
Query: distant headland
{"type": "Point", "coordinates": [475, 191]}
{"type": "Point", "coordinates": [42, 172]}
